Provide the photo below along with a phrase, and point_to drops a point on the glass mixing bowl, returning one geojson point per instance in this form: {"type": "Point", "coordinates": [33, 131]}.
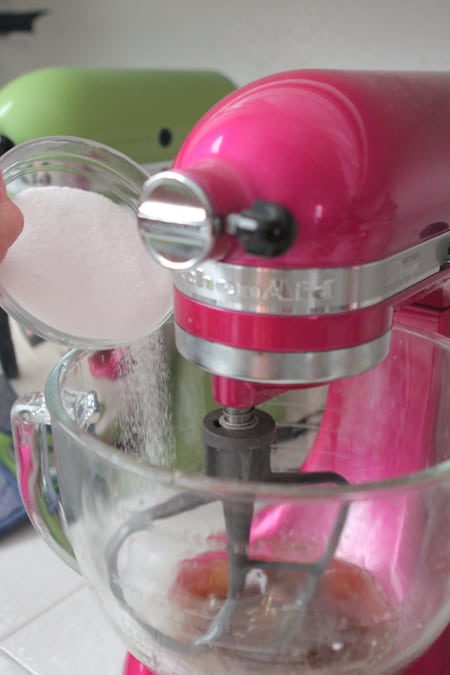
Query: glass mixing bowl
{"type": "Point", "coordinates": [349, 578]}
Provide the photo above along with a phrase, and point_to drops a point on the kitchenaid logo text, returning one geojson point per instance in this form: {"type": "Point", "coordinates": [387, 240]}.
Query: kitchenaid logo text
{"type": "Point", "coordinates": [283, 292]}
{"type": "Point", "coordinates": [312, 291]}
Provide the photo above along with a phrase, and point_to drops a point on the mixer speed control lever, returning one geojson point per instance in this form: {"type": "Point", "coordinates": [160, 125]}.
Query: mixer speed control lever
{"type": "Point", "coordinates": [266, 229]}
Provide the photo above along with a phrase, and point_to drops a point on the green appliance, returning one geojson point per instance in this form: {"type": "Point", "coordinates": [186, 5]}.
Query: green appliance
{"type": "Point", "coordinates": [143, 113]}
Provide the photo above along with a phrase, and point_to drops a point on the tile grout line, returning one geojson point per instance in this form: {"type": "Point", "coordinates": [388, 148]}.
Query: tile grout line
{"type": "Point", "coordinates": [49, 608]}
{"type": "Point", "coordinates": [12, 659]}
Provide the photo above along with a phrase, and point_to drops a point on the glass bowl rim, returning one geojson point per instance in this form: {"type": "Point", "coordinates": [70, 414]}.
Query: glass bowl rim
{"type": "Point", "coordinates": [197, 482]}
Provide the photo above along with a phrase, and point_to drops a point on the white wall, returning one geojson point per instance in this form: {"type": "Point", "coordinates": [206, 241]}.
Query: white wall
{"type": "Point", "coordinates": [244, 39]}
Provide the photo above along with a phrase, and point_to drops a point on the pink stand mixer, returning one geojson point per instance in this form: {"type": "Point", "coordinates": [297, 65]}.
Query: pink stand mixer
{"type": "Point", "coordinates": [305, 215]}
{"type": "Point", "coordinates": [306, 219]}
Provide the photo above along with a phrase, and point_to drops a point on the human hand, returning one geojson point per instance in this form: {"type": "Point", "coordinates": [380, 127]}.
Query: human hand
{"type": "Point", "coordinates": [11, 221]}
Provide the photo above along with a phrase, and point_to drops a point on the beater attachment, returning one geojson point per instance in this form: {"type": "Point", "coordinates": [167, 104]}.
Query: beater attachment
{"type": "Point", "coordinates": [238, 443]}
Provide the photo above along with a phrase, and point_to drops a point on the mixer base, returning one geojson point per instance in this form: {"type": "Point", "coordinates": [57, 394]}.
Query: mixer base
{"type": "Point", "coordinates": [436, 661]}
{"type": "Point", "coordinates": [135, 667]}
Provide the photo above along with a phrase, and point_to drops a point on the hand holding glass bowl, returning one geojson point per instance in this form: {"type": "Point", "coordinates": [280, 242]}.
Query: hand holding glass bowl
{"type": "Point", "coordinates": [11, 221]}
{"type": "Point", "coordinates": [79, 273]}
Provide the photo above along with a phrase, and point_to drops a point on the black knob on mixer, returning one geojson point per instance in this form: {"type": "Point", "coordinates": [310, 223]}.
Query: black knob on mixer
{"type": "Point", "coordinates": [266, 229]}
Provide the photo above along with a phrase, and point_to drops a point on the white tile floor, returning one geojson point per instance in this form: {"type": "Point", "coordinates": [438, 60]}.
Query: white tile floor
{"type": "Point", "coordinates": [49, 622]}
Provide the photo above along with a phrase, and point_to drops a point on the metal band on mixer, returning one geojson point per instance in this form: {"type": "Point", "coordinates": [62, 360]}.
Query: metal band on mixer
{"type": "Point", "coordinates": [281, 367]}
{"type": "Point", "coordinates": [311, 291]}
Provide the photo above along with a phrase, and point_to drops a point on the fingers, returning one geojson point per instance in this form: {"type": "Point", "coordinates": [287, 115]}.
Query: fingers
{"type": "Point", "coordinates": [11, 221]}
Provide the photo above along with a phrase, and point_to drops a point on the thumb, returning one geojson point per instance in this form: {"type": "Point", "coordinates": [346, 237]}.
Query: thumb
{"type": "Point", "coordinates": [11, 221]}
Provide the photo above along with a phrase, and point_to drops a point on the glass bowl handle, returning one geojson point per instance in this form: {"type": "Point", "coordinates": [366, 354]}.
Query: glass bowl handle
{"type": "Point", "coordinates": [32, 437]}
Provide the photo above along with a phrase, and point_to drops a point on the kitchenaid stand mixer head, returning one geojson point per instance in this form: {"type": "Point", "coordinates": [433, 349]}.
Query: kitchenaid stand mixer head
{"type": "Point", "coordinates": [304, 215]}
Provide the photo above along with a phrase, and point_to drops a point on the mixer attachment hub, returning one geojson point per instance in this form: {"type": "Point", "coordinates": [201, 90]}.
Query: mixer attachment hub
{"type": "Point", "coordinates": [238, 443]}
